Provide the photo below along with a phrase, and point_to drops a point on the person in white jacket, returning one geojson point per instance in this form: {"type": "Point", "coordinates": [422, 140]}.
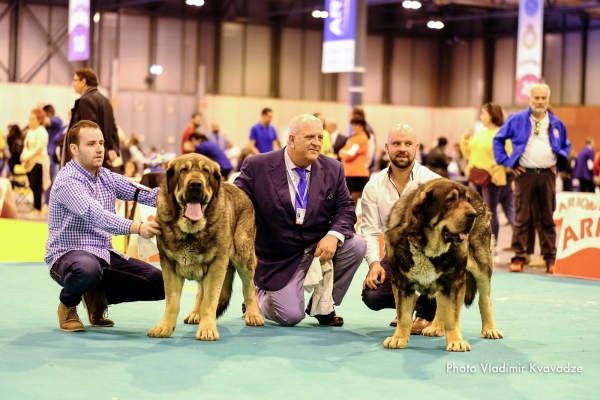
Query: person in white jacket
{"type": "Point", "coordinates": [384, 189]}
{"type": "Point", "coordinates": [35, 160]}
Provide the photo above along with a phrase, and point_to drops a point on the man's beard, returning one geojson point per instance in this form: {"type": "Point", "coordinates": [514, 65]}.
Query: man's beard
{"type": "Point", "coordinates": [402, 163]}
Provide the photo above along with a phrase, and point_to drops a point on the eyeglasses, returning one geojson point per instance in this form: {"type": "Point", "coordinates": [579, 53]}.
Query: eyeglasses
{"type": "Point", "coordinates": [537, 128]}
{"type": "Point", "coordinates": [76, 80]}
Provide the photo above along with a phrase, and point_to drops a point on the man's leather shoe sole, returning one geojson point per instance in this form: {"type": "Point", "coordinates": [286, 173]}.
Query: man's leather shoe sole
{"type": "Point", "coordinates": [418, 325]}
{"type": "Point", "coordinates": [330, 320]}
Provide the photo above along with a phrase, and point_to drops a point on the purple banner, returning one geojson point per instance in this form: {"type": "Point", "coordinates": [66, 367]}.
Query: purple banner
{"type": "Point", "coordinates": [79, 30]}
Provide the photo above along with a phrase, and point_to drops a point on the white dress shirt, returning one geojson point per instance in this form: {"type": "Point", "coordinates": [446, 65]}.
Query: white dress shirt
{"type": "Point", "coordinates": [538, 153]}
{"type": "Point", "coordinates": [378, 198]}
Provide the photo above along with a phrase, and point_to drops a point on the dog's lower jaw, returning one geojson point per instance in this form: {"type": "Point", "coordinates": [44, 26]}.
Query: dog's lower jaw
{"type": "Point", "coordinates": [190, 227]}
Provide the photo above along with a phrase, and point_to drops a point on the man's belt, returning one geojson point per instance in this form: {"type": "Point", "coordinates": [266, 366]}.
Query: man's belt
{"type": "Point", "coordinates": [538, 170]}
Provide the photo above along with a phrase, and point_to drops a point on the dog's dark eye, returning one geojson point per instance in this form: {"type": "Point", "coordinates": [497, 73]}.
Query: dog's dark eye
{"type": "Point", "coordinates": [184, 169]}
{"type": "Point", "coordinates": [451, 199]}
{"type": "Point", "coordinates": [205, 169]}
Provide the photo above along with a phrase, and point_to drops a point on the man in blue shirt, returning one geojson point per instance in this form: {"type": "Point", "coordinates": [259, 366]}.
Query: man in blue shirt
{"type": "Point", "coordinates": [263, 137]}
{"type": "Point", "coordinates": [211, 150]}
{"type": "Point", "coordinates": [81, 223]}
{"type": "Point", "coordinates": [584, 167]}
{"type": "Point", "coordinates": [540, 147]}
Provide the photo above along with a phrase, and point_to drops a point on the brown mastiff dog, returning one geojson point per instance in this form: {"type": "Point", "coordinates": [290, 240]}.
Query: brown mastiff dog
{"type": "Point", "coordinates": [208, 232]}
{"type": "Point", "coordinates": [440, 243]}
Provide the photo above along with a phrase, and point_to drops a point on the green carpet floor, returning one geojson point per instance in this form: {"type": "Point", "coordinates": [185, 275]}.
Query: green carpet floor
{"type": "Point", "coordinates": [545, 320]}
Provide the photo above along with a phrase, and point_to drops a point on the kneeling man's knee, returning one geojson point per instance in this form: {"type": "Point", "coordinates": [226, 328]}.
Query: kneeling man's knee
{"type": "Point", "coordinates": [289, 318]}
{"type": "Point", "coordinates": [372, 299]}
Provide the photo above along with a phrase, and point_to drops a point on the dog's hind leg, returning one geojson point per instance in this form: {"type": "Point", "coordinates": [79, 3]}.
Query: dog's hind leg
{"type": "Point", "coordinates": [226, 290]}
{"type": "Point", "coordinates": [173, 287]}
{"type": "Point", "coordinates": [193, 316]}
{"type": "Point", "coordinates": [488, 327]}
{"type": "Point", "coordinates": [404, 310]}
{"type": "Point", "coordinates": [253, 316]}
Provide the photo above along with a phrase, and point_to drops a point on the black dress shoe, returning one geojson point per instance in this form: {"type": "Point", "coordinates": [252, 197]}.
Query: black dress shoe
{"type": "Point", "coordinates": [330, 319]}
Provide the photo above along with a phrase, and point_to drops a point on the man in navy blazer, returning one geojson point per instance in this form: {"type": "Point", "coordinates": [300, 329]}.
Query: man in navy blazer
{"type": "Point", "coordinates": [298, 219]}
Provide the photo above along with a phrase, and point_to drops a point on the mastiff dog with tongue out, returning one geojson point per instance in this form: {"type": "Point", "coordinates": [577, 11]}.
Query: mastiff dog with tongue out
{"type": "Point", "coordinates": [439, 242]}
{"type": "Point", "coordinates": [208, 233]}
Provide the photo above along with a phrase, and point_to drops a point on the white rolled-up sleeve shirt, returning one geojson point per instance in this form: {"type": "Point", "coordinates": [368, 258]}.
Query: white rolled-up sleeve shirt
{"type": "Point", "coordinates": [378, 198]}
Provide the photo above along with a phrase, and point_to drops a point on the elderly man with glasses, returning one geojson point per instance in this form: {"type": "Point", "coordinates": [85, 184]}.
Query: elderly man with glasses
{"type": "Point", "coordinates": [540, 145]}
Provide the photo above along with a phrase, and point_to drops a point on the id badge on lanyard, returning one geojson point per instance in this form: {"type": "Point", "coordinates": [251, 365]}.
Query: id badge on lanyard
{"type": "Point", "coordinates": [300, 212]}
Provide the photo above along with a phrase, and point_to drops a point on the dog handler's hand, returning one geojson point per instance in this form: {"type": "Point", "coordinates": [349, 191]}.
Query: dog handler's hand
{"type": "Point", "coordinates": [326, 248]}
{"type": "Point", "coordinates": [375, 276]}
{"type": "Point", "coordinates": [519, 170]}
{"type": "Point", "coordinates": [147, 230]}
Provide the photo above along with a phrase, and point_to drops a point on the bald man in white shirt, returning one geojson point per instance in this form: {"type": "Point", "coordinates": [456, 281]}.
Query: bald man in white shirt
{"type": "Point", "coordinates": [403, 175]}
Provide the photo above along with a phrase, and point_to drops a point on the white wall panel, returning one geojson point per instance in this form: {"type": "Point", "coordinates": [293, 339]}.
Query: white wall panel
{"type": "Point", "coordinates": [257, 66]}
{"type": "Point", "coordinates": [401, 71]}
{"type": "Point", "coordinates": [169, 54]}
{"type": "Point", "coordinates": [552, 71]}
{"type": "Point", "coordinates": [134, 47]}
{"type": "Point", "coordinates": [373, 77]}
{"type": "Point", "coordinates": [290, 75]}
{"type": "Point", "coordinates": [189, 82]}
{"type": "Point", "coordinates": [572, 69]}
{"type": "Point", "coordinates": [425, 73]}
{"type": "Point", "coordinates": [592, 83]}
{"type": "Point", "coordinates": [4, 43]}
{"type": "Point", "coordinates": [232, 42]}
{"type": "Point", "coordinates": [108, 47]}
{"type": "Point", "coordinates": [476, 68]}
{"type": "Point", "coordinates": [312, 65]}
{"type": "Point", "coordinates": [460, 75]}
{"type": "Point", "coordinates": [503, 87]}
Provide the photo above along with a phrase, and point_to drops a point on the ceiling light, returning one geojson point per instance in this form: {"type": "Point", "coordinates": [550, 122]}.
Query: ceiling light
{"type": "Point", "coordinates": [435, 24]}
{"type": "Point", "coordinates": [197, 3]}
{"type": "Point", "coordinates": [156, 69]}
{"type": "Point", "coordinates": [97, 17]}
{"type": "Point", "coordinates": [320, 14]}
{"type": "Point", "coordinates": [414, 5]}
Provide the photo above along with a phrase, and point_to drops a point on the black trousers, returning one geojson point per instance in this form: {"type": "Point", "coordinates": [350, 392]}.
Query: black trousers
{"type": "Point", "coordinates": [586, 186]}
{"type": "Point", "coordinates": [531, 188]}
{"type": "Point", "coordinates": [383, 297]}
{"type": "Point", "coordinates": [35, 177]}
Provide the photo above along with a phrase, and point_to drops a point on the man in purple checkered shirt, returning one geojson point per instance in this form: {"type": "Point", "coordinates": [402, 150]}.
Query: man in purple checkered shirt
{"type": "Point", "coordinates": [81, 223]}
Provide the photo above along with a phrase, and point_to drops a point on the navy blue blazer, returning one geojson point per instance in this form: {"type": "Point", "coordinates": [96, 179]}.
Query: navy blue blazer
{"type": "Point", "coordinates": [280, 243]}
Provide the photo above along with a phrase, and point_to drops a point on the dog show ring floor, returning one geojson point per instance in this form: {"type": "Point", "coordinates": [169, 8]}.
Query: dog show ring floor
{"type": "Point", "coordinates": [550, 348]}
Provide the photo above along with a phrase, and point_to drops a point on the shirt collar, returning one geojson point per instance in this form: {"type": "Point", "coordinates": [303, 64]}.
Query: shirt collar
{"type": "Point", "coordinates": [290, 163]}
{"type": "Point", "coordinates": [413, 171]}
{"type": "Point", "coordinates": [83, 170]}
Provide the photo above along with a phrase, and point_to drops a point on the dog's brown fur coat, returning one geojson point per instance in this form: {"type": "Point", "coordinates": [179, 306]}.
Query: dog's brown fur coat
{"type": "Point", "coordinates": [207, 251]}
{"type": "Point", "coordinates": [426, 254]}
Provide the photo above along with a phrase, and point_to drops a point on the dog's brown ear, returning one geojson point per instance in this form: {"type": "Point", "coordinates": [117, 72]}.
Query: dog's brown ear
{"type": "Point", "coordinates": [418, 206]}
{"type": "Point", "coordinates": [216, 178]}
{"type": "Point", "coordinates": [171, 178]}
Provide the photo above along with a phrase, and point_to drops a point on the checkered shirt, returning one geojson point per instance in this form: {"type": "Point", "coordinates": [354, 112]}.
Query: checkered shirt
{"type": "Point", "coordinates": [81, 213]}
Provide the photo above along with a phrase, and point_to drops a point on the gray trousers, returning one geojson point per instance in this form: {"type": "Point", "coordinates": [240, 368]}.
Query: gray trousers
{"type": "Point", "coordinates": [286, 306]}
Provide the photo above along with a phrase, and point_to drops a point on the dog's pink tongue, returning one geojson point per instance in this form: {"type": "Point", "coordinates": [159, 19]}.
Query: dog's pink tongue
{"type": "Point", "coordinates": [463, 236]}
{"type": "Point", "coordinates": [193, 211]}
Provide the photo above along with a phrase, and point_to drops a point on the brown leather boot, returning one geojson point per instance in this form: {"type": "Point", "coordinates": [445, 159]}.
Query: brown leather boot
{"type": "Point", "coordinates": [97, 308]}
{"type": "Point", "coordinates": [68, 319]}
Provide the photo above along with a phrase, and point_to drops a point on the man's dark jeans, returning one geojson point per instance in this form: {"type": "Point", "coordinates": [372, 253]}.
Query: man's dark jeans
{"type": "Point", "coordinates": [122, 281]}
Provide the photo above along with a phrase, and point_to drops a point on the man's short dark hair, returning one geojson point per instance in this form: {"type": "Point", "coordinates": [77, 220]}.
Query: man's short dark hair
{"type": "Point", "coordinates": [196, 114]}
{"type": "Point", "coordinates": [73, 135]}
{"type": "Point", "coordinates": [442, 141]}
{"type": "Point", "coordinates": [89, 75]}
{"type": "Point", "coordinates": [49, 110]}
{"type": "Point", "coordinates": [265, 111]}
{"type": "Point", "coordinates": [198, 136]}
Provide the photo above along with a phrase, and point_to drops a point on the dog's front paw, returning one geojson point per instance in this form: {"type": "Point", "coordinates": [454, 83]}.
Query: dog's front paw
{"type": "Point", "coordinates": [458, 345]}
{"type": "Point", "coordinates": [433, 330]}
{"type": "Point", "coordinates": [161, 331]}
{"type": "Point", "coordinates": [207, 333]}
{"type": "Point", "coordinates": [491, 333]}
{"type": "Point", "coordinates": [254, 319]}
{"type": "Point", "coordinates": [395, 343]}
{"type": "Point", "coordinates": [192, 318]}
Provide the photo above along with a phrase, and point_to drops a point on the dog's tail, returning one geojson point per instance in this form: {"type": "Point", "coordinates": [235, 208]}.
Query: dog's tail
{"type": "Point", "coordinates": [471, 289]}
{"type": "Point", "coordinates": [226, 290]}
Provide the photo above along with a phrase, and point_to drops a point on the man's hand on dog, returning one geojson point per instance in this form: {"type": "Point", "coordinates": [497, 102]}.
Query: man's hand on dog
{"type": "Point", "coordinates": [375, 277]}
{"type": "Point", "coordinates": [148, 230]}
{"type": "Point", "coordinates": [326, 248]}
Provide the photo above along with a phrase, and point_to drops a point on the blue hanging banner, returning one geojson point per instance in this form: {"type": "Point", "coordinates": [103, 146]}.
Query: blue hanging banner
{"type": "Point", "coordinates": [339, 38]}
{"type": "Point", "coordinates": [79, 30]}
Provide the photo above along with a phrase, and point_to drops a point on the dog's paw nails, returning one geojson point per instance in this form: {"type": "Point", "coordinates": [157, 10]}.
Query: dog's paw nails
{"type": "Point", "coordinates": [395, 343]}
{"type": "Point", "coordinates": [192, 318]}
{"type": "Point", "coordinates": [207, 334]}
{"type": "Point", "coordinates": [160, 331]}
{"type": "Point", "coordinates": [491, 333]}
{"type": "Point", "coordinates": [254, 320]}
{"type": "Point", "coordinates": [458, 345]}
{"type": "Point", "coordinates": [433, 331]}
